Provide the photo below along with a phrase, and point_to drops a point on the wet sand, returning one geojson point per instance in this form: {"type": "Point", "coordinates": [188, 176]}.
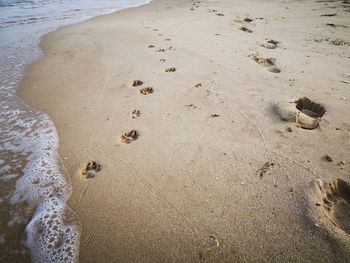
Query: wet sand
{"type": "Point", "coordinates": [211, 172]}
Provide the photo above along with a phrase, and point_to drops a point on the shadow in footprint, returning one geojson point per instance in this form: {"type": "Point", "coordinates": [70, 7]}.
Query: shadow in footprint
{"type": "Point", "coordinates": [137, 83]}
{"type": "Point", "coordinates": [89, 169]}
{"type": "Point", "coordinates": [172, 69]}
{"type": "Point", "coordinates": [135, 114]}
{"type": "Point", "coordinates": [247, 20]}
{"type": "Point", "coordinates": [245, 29]}
{"type": "Point", "coordinates": [129, 137]}
{"type": "Point", "coordinates": [329, 15]}
{"type": "Point", "coordinates": [146, 91]}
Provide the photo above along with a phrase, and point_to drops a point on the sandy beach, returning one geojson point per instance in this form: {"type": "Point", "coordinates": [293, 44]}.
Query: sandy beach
{"type": "Point", "coordinates": [209, 169]}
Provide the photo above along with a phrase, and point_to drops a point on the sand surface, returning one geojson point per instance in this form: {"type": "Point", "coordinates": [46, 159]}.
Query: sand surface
{"type": "Point", "coordinates": [215, 175]}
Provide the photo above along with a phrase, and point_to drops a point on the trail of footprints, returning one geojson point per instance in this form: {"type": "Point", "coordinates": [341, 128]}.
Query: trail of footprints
{"type": "Point", "coordinates": [90, 168]}
{"type": "Point", "coordinates": [132, 135]}
{"type": "Point", "coordinates": [334, 196]}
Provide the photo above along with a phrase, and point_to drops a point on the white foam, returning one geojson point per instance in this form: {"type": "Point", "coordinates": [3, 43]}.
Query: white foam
{"type": "Point", "coordinates": [27, 134]}
{"type": "Point", "coordinates": [49, 238]}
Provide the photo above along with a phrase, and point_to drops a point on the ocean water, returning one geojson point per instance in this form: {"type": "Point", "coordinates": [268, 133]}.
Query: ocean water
{"type": "Point", "coordinates": [35, 223]}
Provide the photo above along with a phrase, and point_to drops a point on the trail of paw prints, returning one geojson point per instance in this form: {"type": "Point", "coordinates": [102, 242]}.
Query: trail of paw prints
{"type": "Point", "coordinates": [269, 63]}
{"type": "Point", "coordinates": [159, 49]}
{"type": "Point", "coordinates": [133, 135]}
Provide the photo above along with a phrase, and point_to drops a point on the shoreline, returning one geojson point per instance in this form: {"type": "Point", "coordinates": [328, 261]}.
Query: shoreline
{"type": "Point", "coordinates": [183, 191]}
{"type": "Point", "coordinates": [28, 151]}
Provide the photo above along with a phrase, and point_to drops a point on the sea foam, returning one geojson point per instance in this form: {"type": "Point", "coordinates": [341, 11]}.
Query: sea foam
{"type": "Point", "coordinates": [51, 235]}
{"type": "Point", "coordinates": [28, 138]}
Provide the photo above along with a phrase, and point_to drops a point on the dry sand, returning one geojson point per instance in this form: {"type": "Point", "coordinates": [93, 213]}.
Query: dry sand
{"type": "Point", "coordinates": [215, 175]}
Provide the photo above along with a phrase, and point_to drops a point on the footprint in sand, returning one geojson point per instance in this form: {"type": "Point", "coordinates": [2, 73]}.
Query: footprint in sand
{"type": "Point", "coordinates": [335, 203]}
{"type": "Point", "coordinates": [247, 20]}
{"type": "Point", "coordinates": [310, 113]}
{"type": "Point", "coordinates": [162, 60]}
{"type": "Point", "coordinates": [274, 70]}
{"type": "Point", "coordinates": [266, 62]}
{"type": "Point", "coordinates": [129, 137]}
{"type": "Point", "coordinates": [167, 39]}
{"type": "Point", "coordinates": [151, 46]}
{"type": "Point", "coordinates": [135, 114]}
{"type": "Point", "coordinates": [137, 83]}
{"type": "Point", "coordinates": [146, 91]}
{"type": "Point", "coordinates": [160, 50]}
{"type": "Point", "coordinates": [198, 85]}
{"type": "Point", "coordinates": [245, 29]}
{"type": "Point", "coordinates": [172, 69]}
{"type": "Point", "coordinates": [270, 44]}
{"type": "Point", "coordinates": [89, 169]}
{"type": "Point", "coordinates": [306, 113]}
{"type": "Point", "coordinates": [191, 106]}
{"type": "Point", "coordinates": [220, 14]}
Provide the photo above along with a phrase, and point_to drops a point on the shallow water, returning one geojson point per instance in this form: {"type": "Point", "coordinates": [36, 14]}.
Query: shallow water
{"type": "Point", "coordinates": [35, 223]}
